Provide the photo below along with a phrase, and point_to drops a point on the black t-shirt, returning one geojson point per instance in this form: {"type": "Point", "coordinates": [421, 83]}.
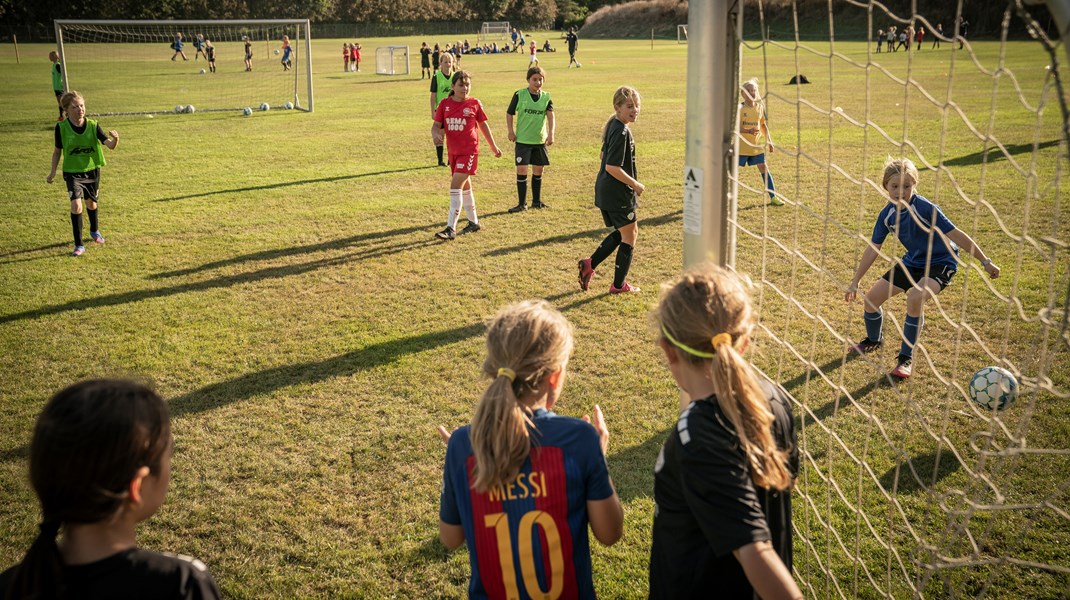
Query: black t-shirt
{"type": "Point", "coordinates": [572, 40]}
{"type": "Point", "coordinates": [434, 58]}
{"type": "Point", "coordinates": [516, 100]}
{"type": "Point", "coordinates": [707, 505]}
{"type": "Point", "coordinates": [210, 52]}
{"type": "Point", "coordinates": [79, 130]}
{"type": "Point", "coordinates": [135, 574]}
{"type": "Point", "coordinates": [425, 57]}
{"type": "Point", "coordinates": [618, 148]}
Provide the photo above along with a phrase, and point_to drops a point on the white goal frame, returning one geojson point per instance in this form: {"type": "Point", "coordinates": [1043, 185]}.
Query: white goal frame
{"type": "Point", "coordinates": [386, 62]}
{"type": "Point", "coordinates": [681, 34]}
{"type": "Point", "coordinates": [304, 27]}
{"type": "Point", "coordinates": [491, 28]}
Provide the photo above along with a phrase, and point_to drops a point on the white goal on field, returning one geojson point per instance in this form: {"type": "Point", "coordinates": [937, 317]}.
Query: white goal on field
{"type": "Point", "coordinates": [907, 489]}
{"type": "Point", "coordinates": [392, 60]}
{"type": "Point", "coordinates": [681, 34]}
{"type": "Point", "coordinates": [494, 30]}
{"type": "Point", "coordinates": [105, 59]}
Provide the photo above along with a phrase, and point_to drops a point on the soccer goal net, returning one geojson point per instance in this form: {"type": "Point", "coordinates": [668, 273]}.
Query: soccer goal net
{"type": "Point", "coordinates": [392, 60]}
{"type": "Point", "coordinates": [494, 30]}
{"type": "Point", "coordinates": [908, 488]}
{"type": "Point", "coordinates": [105, 60]}
{"type": "Point", "coordinates": [681, 34]}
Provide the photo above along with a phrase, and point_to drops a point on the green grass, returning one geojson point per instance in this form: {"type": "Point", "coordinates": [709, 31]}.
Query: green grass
{"type": "Point", "coordinates": [275, 277]}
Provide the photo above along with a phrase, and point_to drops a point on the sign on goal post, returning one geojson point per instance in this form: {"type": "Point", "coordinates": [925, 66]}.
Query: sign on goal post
{"type": "Point", "coordinates": [392, 60]}
{"type": "Point", "coordinates": [104, 60]}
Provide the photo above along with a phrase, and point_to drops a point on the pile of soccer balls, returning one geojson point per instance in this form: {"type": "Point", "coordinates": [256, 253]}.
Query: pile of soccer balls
{"type": "Point", "coordinates": [264, 106]}
{"type": "Point", "coordinates": [185, 109]}
{"type": "Point", "coordinates": [993, 388]}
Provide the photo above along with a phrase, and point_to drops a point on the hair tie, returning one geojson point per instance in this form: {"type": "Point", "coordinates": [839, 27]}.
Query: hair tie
{"type": "Point", "coordinates": [685, 348]}
{"type": "Point", "coordinates": [720, 338]}
{"type": "Point", "coordinates": [511, 374]}
{"type": "Point", "coordinates": [49, 529]}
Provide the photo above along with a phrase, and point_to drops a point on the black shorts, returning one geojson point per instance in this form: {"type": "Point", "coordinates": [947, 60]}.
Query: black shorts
{"type": "Point", "coordinates": [82, 185]}
{"type": "Point", "coordinates": [942, 274]}
{"type": "Point", "coordinates": [532, 154]}
{"type": "Point", "coordinates": [618, 218]}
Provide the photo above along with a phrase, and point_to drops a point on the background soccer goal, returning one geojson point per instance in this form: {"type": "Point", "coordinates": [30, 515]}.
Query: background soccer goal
{"type": "Point", "coordinates": [907, 489]}
{"type": "Point", "coordinates": [681, 34]}
{"type": "Point", "coordinates": [392, 60]}
{"type": "Point", "coordinates": [494, 30]}
{"type": "Point", "coordinates": [105, 59]}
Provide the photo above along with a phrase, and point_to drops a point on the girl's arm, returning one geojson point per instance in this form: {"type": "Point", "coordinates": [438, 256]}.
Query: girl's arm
{"type": "Point", "coordinates": [964, 241]}
{"type": "Point", "coordinates": [490, 139]}
{"type": "Point", "coordinates": [620, 175]}
{"type": "Point", "coordinates": [868, 257]}
{"type": "Point", "coordinates": [607, 518]}
{"type": "Point", "coordinates": [452, 536]}
{"type": "Point", "coordinates": [113, 139]}
{"type": "Point", "coordinates": [551, 124]}
{"type": "Point", "coordinates": [766, 572]}
{"type": "Point", "coordinates": [509, 126]}
{"type": "Point", "coordinates": [768, 138]}
{"type": "Point", "coordinates": [55, 163]}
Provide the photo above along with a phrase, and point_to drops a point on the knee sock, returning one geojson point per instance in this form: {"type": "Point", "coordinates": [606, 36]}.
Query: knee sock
{"type": "Point", "coordinates": [76, 227]}
{"type": "Point", "coordinates": [874, 322]}
{"type": "Point", "coordinates": [536, 189]}
{"type": "Point", "coordinates": [438, 149]}
{"type": "Point", "coordinates": [92, 212]}
{"type": "Point", "coordinates": [770, 187]}
{"type": "Point", "coordinates": [606, 248]}
{"type": "Point", "coordinates": [455, 209]}
{"type": "Point", "coordinates": [522, 189]}
{"type": "Point", "coordinates": [911, 329]}
{"type": "Point", "coordinates": [624, 262]}
{"type": "Point", "coordinates": [469, 201]}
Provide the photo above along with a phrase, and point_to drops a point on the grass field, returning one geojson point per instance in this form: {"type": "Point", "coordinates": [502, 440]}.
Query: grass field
{"type": "Point", "coordinates": [276, 278]}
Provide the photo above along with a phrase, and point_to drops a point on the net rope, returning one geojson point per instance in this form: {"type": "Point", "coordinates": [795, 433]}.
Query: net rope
{"type": "Point", "coordinates": [910, 488]}
{"type": "Point", "coordinates": [105, 62]}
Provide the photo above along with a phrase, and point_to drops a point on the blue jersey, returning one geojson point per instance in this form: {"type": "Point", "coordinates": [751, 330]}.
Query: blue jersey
{"type": "Point", "coordinates": [913, 226]}
{"type": "Point", "coordinates": [528, 539]}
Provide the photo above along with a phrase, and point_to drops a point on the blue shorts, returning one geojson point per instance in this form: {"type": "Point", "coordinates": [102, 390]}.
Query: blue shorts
{"type": "Point", "coordinates": [751, 161]}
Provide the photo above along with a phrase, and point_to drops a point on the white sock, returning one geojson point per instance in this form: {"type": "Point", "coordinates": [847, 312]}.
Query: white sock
{"type": "Point", "coordinates": [455, 209]}
{"type": "Point", "coordinates": [470, 206]}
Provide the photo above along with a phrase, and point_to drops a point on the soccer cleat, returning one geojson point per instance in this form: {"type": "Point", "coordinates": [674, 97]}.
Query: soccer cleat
{"type": "Point", "coordinates": [866, 346]}
{"type": "Point", "coordinates": [903, 369]}
{"type": "Point", "coordinates": [627, 288]}
{"type": "Point", "coordinates": [446, 234]}
{"type": "Point", "coordinates": [78, 251]}
{"type": "Point", "coordinates": [586, 274]}
{"type": "Point", "coordinates": [775, 201]}
{"type": "Point", "coordinates": [97, 237]}
{"type": "Point", "coordinates": [539, 205]}
{"type": "Point", "coordinates": [519, 208]}
{"type": "Point", "coordinates": [442, 164]}
{"type": "Point", "coordinates": [470, 228]}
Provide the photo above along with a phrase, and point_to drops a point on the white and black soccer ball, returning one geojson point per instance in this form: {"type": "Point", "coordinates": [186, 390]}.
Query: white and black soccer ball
{"type": "Point", "coordinates": [265, 106]}
{"type": "Point", "coordinates": [288, 105]}
{"type": "Point", "coordinates": [276, 51]}
{"type": "Point", "coordinates": [190, 108]}
{"type": "Point", "coordinates": [180, 109]}
{"type": "Point", "coordinates": [203, 71]}
{"type": "Point", "coordinates": [993, 388]}
{"type": "Point", "coordinates": [247, 111]}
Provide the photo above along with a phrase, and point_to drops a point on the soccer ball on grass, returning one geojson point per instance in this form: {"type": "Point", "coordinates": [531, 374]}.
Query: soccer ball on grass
{"type": "Point", "coordinates": [276, 51]}
{"type": "Point", "coordinates": [993, 388]}
{"type": "Point", "coordinates": [247, 111]}
{"type": "Point", "coordinates": [288, 105]}
{"type": "Point", "coordinates": [190, 108]}
{"type": "Point", "coordinates": [180, 108]}
{"type": "Point", "coordinates": [265, 106]}
{"type": "Point", "coordinates": [202, 71]}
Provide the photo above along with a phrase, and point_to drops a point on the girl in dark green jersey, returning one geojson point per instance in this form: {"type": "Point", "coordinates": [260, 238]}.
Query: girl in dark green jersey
{"type": "Point", "coordinates": [534, 132]}
{"type": "Point", "coordinates": [79, 141]}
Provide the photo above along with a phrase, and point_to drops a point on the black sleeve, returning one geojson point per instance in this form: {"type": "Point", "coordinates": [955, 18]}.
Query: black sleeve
{"type": "Point", "coordinates": [59, 138]}
{"type": "Point", "coordinates": [549, 106]}
{"type": "Point", "coordinates": [434, 81]}
{"type": "Point", "coordinates": [512, 104]}
{"type": "Point", "coordinates": [100, 134]}
{"type": "Point", "coordinates": [615, 144]}
{"type": "Point", "coordinates": [200, 586]}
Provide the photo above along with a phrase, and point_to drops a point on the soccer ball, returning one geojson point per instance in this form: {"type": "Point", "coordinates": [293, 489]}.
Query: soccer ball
{"type": "Point", "coordinates": [180, 108]}
{"type": "Point", "coordinates": [288, 105]}
{"type": "Point", "coordinates": [276, 51]}
{"type": "Point", "coordinates": [247, 111]}
{"type": "Point", "coordinates": [265, 106]}
{"type": "Point", "coordinates": [202, 71]}
{"type": "Point", "coordinates": [190, 109]}
{"type": "Point", "coordinates": [993, 388]}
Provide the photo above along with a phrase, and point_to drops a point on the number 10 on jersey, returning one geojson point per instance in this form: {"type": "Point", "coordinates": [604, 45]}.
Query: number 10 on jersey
{"type": "Point", "coordinates": [499, 522]}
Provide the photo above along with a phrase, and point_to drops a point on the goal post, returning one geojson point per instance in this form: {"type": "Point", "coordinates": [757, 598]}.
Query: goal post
{"type": "Point", "coordinates": [681, 34]}
{"type": "Point", "coordinates": [103, 59]}
{"type": "Point", "coordinates": [392, 60]}
{"type": "Point", "coordinates": [496, 30]}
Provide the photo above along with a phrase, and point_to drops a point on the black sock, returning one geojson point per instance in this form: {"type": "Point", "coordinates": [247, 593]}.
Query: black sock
{"type": "Point", "coordinates": [438, 149]}
{"type": "Point", "coordinates": [522, 188]}
{"type": "Point", "coordinates": [76, 227]}
{"type": "Point", "coordinates": [536, 189]}
{"type": "Point", "coordinates": [606, 248]}
{"type": "Point", "coordinates": [624, 262]}
{"type": "Point", "coordinates": [92, 212]}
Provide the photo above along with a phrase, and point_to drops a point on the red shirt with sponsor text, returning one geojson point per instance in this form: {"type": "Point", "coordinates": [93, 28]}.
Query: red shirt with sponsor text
{"type": "Point", "coordinates": [461, 122]}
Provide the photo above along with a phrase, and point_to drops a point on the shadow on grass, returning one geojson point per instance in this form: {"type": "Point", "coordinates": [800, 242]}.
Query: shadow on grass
{"type": "Point", "coordinates": [920, 472]}
{"type": "Point", "coordinates": [269, 380]}
{"type": "Point", "coordinates": [592, 234]}
{"type": "Point", "coordinates": [995, 154]}
{"type": "Point", "coordinates": [37, 249]}
{"type": "Point", "coordinates": [272, 186]}
{"type": "Point", "coordinates": [18, 453]}
{"type": "Point", "coordinates": [832, 408]}
{"type": "Point", "coordinates": [218, 282]}
{"type": "Point", "coordinates": [633, 468]}
{"type": "Point", "coordinates": [9, 261]}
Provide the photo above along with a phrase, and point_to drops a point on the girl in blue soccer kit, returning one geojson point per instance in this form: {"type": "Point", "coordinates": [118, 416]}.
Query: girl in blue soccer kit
{"type": "Point", "coordinates": [926, 268]}
{"type": "Point", "coordinates": [521, 484]}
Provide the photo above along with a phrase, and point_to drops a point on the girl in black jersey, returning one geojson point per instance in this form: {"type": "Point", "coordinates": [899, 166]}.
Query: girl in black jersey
{"type": "Point", "coordinates": [616, 193]}
{"type": "Point", "coordinates": [100, 463]}
{"type": "Point", "coordinates": [723, 479]}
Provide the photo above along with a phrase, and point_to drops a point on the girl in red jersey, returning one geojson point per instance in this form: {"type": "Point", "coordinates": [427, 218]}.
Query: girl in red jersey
{"type": "Point", "coordinates": [460, 115]}
{"type": "Point", "coordinates": [345, 57]}
{"type": "Point", "coordinates": [521, 484]}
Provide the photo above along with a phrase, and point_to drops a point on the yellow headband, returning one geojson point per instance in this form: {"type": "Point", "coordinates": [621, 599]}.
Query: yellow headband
{"type": "Point", "coordinates": [717, 340]}
{"type": "Point", "coordinates": [511, 374]}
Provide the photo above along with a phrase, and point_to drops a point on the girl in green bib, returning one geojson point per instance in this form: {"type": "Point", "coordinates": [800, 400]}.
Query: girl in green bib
{"type": "Point", "coordinates": [79, 141]}
{"type": "Point", "coordinates": [534, 112]}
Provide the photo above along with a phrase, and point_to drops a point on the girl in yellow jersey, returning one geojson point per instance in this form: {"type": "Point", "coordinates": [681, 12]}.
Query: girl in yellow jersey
{"type": "Point", "coordinates": [754, 136]}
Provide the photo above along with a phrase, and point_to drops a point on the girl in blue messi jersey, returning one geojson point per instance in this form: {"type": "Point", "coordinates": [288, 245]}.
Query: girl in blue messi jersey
{"type": "Point", "coordinates": [932, 243]}
{"type": "Point", "coordinates": [521, 484]}
{"type": "Point", "coordinates": [78, 140]}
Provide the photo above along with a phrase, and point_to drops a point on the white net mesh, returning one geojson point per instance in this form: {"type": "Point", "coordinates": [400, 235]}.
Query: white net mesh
{"type": "Point", "coordinates": [909, 488]}
{"type": "Point", "coordinates": [392, 60]}
{"type": "Point", "coordinates": [494, 30]}
{"type": "Point", "coordinates": [104, 61]}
